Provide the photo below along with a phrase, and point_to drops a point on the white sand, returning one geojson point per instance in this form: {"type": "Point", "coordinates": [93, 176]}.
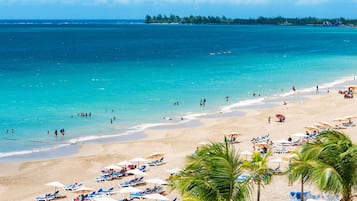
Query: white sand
{"type": "Point", "coordinates": [23, 181]}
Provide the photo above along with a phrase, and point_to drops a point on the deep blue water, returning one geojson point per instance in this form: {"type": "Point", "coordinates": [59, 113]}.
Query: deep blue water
{"type": "Point", "coordinates": [135, 72]}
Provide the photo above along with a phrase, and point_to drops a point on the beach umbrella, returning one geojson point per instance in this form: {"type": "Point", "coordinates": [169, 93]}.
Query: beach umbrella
{"type": "Point", "coordinates": [156, 181]}
{"type": "Point", "coordinates": [155, 196]}
{"type": "Point", "coordinates": [246, 153]}
{"type": "Point", "coordinates": [136, 172]}
{"type": "Point", "coordinates": [350, 117]}
{"type": "Point", "coordinates": [55, 184]}
{"type": "Point", "coordinates": [311, 128]}
{"type": "Point", "coordinates": [292, 156]}
{"type": "Point", "coordinates": [104, 198]}
{"type": "Point", "coordinates": [138, 160]}
{"type": "Point", "coordinates": [83, 190]}
{"type": "Point", "coordinates": [124, 163]}
{"type": "Point", "coordinates": [339, 119]}
{"type": "Point", "coordinates": [278, 160]}
{"type": "Point", "coordinates": [318, 125]}
{"type": "Point", "coordinates": [156, 155]}
{"type": "Point", "coordinates": [112, 167]}
{"type": "Point", "coordinates": [328, 125]}
{"type": "Point", "coordinates": [352, 87]}
{"type": "Point", "coordinates": [232, 135]}
{"type": "Point", "coordinates": [129, 190]}
{"type": "Point", "coordinates": [281, 117]}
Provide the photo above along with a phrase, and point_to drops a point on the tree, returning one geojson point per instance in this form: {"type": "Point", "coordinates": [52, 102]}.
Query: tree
{"type": "Point", "coordinates": [148, 19]}
{"type": "Point", "coordinates": [335, 170]}
{"type": "Point", "coordinates": [301, 169]}
{"type": "Point", "coordinates": [259, 171]}
{"type": "Point", "coordinates": [211, 175]}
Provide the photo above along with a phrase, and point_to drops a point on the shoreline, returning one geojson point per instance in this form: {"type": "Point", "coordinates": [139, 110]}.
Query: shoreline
{"type": "Point", "coordinates": [177, 143]}
{"type": "Point", "coordinates": [237, 109]}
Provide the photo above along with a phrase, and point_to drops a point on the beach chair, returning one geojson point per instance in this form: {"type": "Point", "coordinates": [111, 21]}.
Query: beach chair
{"type": "Point", "coordinates": [109, 191]}
{"type": "Point", "coordinates": [137, 181]}
{"type": "Point", "coordinates": [101, 178]}
{"type": "Point", "coordinates": [143, 168]}
{"type": "Point", "coordinates": [45, 197]}
{"type": "Point", "coordinates": [72, 187]}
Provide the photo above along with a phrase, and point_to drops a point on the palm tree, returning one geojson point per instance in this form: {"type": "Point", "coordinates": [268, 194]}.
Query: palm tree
{"type": "Point", "coordinates": [335, 167]}
{"type": "Point", "coordinates": [211, 175]}
{"type": "Point", "coordinates": [300, 168]}
{"type": "Point", "coordinates": [259, 171]}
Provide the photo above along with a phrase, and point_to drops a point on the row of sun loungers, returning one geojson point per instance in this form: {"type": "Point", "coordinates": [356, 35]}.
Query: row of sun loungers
{"type": "Point", "coordinates": [99, 193]}
{"type": "Point", "coordinates": [261, 139]}
{"type": "Point", "coordinates": [110, 175]}
{"type": "Point", "coordinates": [296, 196]}
{"type": "Point", "coordinates": [157, 162]}
{"type": "Point", "coordinates": [158, 189]}
{"type": "Point", "coordinates": [49, 196]}
{"type": "Point", "coordinates": [133, 182]}
{"type": "Point", "coordinates": [72, 187]}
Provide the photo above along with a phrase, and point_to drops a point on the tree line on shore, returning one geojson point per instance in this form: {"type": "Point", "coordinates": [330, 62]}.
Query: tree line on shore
{"type": "Point", "coordinates": [174, 19]}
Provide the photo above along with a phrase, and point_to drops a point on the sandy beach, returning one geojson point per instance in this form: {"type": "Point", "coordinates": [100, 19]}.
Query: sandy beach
{"type": "Point", "coordinates": [23, 181]}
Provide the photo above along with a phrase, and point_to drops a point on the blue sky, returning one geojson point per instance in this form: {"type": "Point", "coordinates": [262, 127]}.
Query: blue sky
{"type": "Point", "coordinates": [137, 9]}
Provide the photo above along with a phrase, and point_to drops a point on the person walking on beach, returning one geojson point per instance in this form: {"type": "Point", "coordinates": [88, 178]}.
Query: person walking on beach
{"type": "Point", "coordinates": [269, 118]}
{"type": "Point", "coordinates": [317, 89]}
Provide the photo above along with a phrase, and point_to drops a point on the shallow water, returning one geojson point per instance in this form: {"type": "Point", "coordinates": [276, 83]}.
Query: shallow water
{"type": "Point", "coordinates": [135, 72]}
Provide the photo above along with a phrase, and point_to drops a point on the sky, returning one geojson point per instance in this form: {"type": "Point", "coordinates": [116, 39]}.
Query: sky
{"type": "Point", "coordinates": [138, 9]}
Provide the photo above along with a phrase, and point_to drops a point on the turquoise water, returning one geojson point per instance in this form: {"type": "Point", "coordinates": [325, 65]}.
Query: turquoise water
{"type": "Point", "coordinates": [135, 72]}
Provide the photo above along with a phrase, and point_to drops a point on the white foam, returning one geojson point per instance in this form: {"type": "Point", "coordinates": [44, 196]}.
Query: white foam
{"type": "Point", "coordinates": [24, 152]}
{"type": "Point", "coordinates": [186, 118]}
{"type": "Point", "coordinates": [243, 103]}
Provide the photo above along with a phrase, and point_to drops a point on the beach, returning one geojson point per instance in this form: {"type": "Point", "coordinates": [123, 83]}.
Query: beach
{"type": "Point", "coordinates": [24, 180]}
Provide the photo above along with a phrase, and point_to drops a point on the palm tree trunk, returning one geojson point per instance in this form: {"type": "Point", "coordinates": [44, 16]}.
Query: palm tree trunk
{"type": "Point", "coordinates": [258, 193]}
{"type": "Point", "coordinates": [302, 189]}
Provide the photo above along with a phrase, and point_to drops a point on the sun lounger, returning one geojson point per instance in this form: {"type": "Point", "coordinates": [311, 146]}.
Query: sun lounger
{"type": "Point", "coordinates": [49, 196]}
{"type": "Point", "coordinates": [133, 182]}
{"type": "Point", "coordinates": [72, 187]}
{"type": "Point", "coordinates": [109, 191]}
{"type": "Point", "coordinates": [157, 162]}
{"type": "Point", "coordinates": [45, 197]}
{"type": "Point", "coordinates": [143, 168]}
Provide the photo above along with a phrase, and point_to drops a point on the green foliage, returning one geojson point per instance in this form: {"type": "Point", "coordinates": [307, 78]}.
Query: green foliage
{"type": "Point", "coordinates": [330, 161]}
{"type": "Point", "coordinates": [260, 20]}
{"type": "Point", "coordinates": [259, 171]}
{"type": "Point", "coordinates": [211, 175]}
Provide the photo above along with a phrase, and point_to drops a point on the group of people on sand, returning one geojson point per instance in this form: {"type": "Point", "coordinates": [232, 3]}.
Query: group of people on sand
{"type": "Point", "coordinates": [347, 93]}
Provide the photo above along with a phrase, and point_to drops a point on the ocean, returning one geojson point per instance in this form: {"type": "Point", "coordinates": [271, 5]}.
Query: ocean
{"type": "Point", "coordinates": [109, 79]}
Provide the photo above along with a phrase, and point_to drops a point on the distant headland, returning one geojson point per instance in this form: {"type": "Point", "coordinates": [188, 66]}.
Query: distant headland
{"type": "Point", "coordinates": [312, 21]}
